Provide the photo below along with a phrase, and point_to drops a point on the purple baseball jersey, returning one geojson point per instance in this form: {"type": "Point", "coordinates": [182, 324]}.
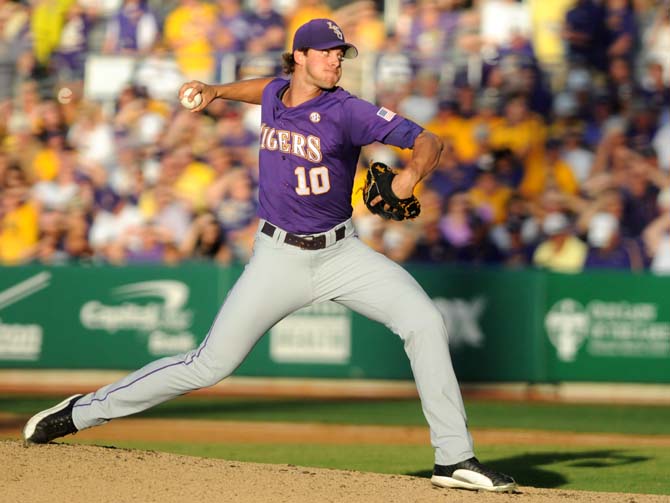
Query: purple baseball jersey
{"type": "Point", "coordinates": [308, 156]}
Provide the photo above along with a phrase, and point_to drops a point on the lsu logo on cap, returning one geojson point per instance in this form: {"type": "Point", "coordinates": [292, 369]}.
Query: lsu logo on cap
{"type": "Point", "coordinates": [385, 114]}
{"type": "Point", "coordinates": [336, 29]}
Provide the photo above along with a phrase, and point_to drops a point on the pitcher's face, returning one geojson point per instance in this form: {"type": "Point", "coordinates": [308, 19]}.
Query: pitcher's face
{"type": "Point", "coordinates": [323, 67]}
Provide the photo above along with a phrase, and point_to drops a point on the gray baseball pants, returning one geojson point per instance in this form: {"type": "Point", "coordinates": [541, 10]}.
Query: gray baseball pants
{"type": "Point", "coordinates": [279, 279]}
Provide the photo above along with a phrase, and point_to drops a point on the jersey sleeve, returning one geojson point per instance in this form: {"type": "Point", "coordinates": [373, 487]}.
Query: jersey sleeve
{"type": "Point", "coordinates": [368, 123]}
{"type": "Point", "coordinates": [403, 135]}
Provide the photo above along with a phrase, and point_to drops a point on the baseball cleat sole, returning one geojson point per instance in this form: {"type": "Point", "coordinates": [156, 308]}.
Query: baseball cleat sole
{"type": "Point", "coordinates": [484, 485]}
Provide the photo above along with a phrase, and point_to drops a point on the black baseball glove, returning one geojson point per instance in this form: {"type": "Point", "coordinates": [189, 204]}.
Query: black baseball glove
{"type": "Point", "coordinates": [378, 183]}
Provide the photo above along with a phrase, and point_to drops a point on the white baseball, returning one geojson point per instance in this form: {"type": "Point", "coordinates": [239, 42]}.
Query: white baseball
{"type": "Point", "coordinates": [189, 101]}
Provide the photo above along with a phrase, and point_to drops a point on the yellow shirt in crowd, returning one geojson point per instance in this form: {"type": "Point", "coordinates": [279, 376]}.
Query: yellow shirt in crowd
{"type": "Point", "coordinates": [46, 24]}
{"type": "Point", "coordinates": [46, 165]}
{"type": "Point", "coordinates": [496, 202]}
{"type": "Point", "coordinates": [547, 19]}
{"type": "Point", "coordinates": [18, 233]}
{"type": "Point", "coordinates": [193, 183]}
{"type": "Point", "coordinates": [570, 258]}
{"type": "Point", "coordinates": [539, 177]}
{"type": "Point", "coordinates": [523, 138]}
{"type": "Point", "coordinates": [187, 31]}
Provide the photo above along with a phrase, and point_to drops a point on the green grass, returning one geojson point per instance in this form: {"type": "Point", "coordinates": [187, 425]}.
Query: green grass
{"type": "Point", "coordinates": [629, 419]}
{"type": "Point", "coordinates": [639, 470]}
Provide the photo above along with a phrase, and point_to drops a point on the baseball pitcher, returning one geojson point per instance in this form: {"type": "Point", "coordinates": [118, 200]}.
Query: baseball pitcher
{"type": "Point", "coordinates": [306, 252]}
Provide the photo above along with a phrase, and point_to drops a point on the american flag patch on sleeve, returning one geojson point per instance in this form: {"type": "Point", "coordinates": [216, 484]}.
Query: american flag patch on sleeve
{"type": "Point", "coordinates": [385, 114]}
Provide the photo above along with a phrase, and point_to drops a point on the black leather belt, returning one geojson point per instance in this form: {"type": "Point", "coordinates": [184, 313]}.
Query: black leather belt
{"type": "Point", "coordinates": [316, 242]}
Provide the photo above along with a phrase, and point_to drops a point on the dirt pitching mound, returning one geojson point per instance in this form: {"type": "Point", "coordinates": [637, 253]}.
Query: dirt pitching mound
{"type": "Point", "coordinates": [89, 474]}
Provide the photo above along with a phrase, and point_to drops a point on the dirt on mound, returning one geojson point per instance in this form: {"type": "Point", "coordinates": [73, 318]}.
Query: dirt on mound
{"type": "Point", "coordinates": [89, 474]}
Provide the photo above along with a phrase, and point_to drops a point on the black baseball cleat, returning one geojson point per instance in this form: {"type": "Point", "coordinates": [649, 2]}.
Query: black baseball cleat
{"type": "Point", "coordinates": [471, 474]}
{"type": "Point", "coordinates": [52, 423]}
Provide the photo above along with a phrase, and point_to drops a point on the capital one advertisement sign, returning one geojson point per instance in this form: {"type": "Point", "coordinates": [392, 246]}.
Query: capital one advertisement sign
{"type": "Point", "coordinates": [156, 309]}
{"type": "Point", "coordinates": [102, 317]}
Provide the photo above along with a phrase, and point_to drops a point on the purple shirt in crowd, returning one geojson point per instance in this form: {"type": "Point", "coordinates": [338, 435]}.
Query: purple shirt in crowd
{"type": "Point", "coordinates": [308, 155]}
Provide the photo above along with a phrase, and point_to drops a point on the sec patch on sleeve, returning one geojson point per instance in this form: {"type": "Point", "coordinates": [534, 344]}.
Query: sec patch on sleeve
{"type": "Point", "coordinates": [385, 114]}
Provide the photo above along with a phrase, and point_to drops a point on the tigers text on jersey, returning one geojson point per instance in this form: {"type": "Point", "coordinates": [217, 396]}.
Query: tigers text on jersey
{"type": "Point", "coordinates": [308, 156]}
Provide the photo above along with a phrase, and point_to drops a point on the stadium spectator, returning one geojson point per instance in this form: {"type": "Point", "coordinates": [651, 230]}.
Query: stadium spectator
{"type": "Point", "coordinates": [47, 18]}
{"type": "Point", "coordinates": [621, 29]}
{"type": "Point", "coordinates": [19, 224]}
{"type": "Point", "coordinates": [447, 122]}
{"type": "Point", "coordinates": [69, 55]}
{"type": "Point", "coordinates": [451, 175]}
{"type": "Point", "coordinates": [114, 218]}
{"type": "Point", "coordinates": [93, 136]}
{"type": "Point", "coordinates": [399, 241]}
{"type": "Point", "coordinates": [431, 246]}
{"type": "Point", "coordinates": [551, 171]}
{"type": "Point", "coordinates": [576, 155]}
{"type": "Point", "coordinates": [547, 21]}
{"type": "Point", "coordinates": [520, 130]}
{"type": "Point", "coordinates": [656, 42]}
{"type": "Point", "coordinates": [607, 249]}
{"type": "Point", "coordinates": [654, 91]}
{"type": "Point", "coordinates": [507, 168]}
{"type": "Point", "coordinates": [169, 216]}
{"type": "Point", "coordinates": [61, 192]}
{"type": "Point", "coordinates": [193, 177]}
{"type": "Point", "coordinates": [235, 202]}
{"type": "Point", "coordinates": [430, 34]}
{"type": "Point", "coordinates": [421, 104]}
{"type": "Point", "coordinates": [561, 251]}
{"type": "Point", "coordinates": [230, 32]}
{"type": "Point", "coordinates": [133, 29]}
{"type": "Point", "coordinates": [267, 25]}
{"type": "Point", "coordinates": [656, 236]}
{"type": "Point", "coordinates": [206, 240]}
{"type": "Point", "coordinates": [661, 144]}
{"type": "Point", "coordinates": [639, 188]}
{"type": "Point", "coordinates": [257, 61]}
{"type": "Point", "coordinates": [584, 33]}
{"type": "Point", "coordinates": [14, 44]}
{"type": "Point", "coordinates": [159, 73]}
{"type": "Point", "coordinates": [488, 196]}
{"type": "Point", "coordinates": [145, 244]}
{"type": "Point", "coordinates": [75, 241]}
{"type": "Point", "coordinates": [363, 26]}
{"type": "Point", "coordinates": [502, 19]}
{"type": "Point", "coordinates": [187, 34]}
{"type": "Point", "coordinates": [394, 66]}
{"type": "Point", "coordinates": [466, 231]}
{"type": "Point", "coordinates": [515, 238]}
{"type": "Point", "coordinates": [621, 85]}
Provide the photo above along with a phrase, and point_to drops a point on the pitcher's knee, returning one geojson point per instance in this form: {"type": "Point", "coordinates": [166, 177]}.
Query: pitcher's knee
{"type": "Point", "coordinates": [206, 372]}
{"type": "Point", "coordinates": [427, 321]}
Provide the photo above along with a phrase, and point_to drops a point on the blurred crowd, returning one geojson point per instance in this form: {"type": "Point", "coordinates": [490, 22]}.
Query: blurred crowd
{"type": "Point", "coordinates": [555, 117]}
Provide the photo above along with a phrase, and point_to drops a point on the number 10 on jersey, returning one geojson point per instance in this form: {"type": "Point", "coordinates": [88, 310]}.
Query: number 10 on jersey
{"type": "Point", "coordinates": [319, 181]}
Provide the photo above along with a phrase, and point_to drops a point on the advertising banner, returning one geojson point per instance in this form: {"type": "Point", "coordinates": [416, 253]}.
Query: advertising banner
{"type": "Point", "coordinates": [608, 327]}
{"type": "Point", "coordinates": [503, 325]}
{"type": "Point", "coordinates": [103, 317]}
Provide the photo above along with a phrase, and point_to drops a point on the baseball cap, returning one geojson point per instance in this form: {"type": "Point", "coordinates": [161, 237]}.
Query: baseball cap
{"type": "Point", "coordinates": [322, 34]}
